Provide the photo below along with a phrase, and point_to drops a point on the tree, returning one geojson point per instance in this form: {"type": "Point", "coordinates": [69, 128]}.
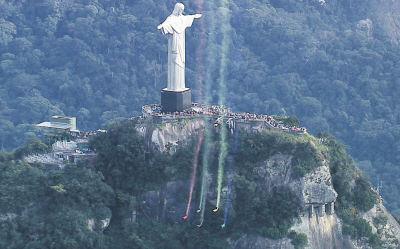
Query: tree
{"type": "Point", "coordinates": [83, 115]}
{"type": "Point", "coordinates": [299, 240]}
{"type": "Point", "coordinates": [25, 82]}
{"type": "Point", "coordinates": [364, 197]}
{"type": "Point", "coordinates": [123, 159]}
{"type": "Point", "coordinates": [309, 107]}
{"type": "Point", "coordinates": [7, 31]}
{"type": "Point", "coordinates": [32, 145]}
{"type": "Point", "coordinates": [363, 227]}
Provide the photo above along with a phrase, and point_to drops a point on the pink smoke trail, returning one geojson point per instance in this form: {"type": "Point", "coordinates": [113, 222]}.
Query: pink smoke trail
{"type": "Point", "coordinates": [200, 70]}
{"type": "Point", "coordinates": [196, 156]}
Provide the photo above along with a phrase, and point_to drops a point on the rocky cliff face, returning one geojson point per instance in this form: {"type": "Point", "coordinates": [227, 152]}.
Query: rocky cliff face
{"type": "Point", "coordinates": [315, 191]}
{"type": "Point", "coordinates": [168, 204]}
{"type": "Point", "coordinates": [390, 232]}
{"type": "Point", "coordinates": [317, 197]}
{"type": "Point", "coordinates": [323, 228]}
{"type": "Point", "coordinates": [322, 232]}
{"type": "Point", "coordinates": [170, 136]}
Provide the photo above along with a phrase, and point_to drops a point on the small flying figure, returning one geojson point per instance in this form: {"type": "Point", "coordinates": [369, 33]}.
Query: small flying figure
{"type": "Point", "coordinates": [218, 122]}
{"type": "Point", "coordinates": [184, 217]}
{"type": "Point", "coordinates": [223, 225]}
{"type": "Point", "coordinates": [215, 210]}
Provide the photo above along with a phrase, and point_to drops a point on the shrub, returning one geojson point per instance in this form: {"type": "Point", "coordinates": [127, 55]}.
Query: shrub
{"type": "Point", "coordinates": [291, 120]}
{"type": "Point", "coordinates": [380, 220]}
{"type": "Point", "coordinates": [364, 197]}
{"type": "Point", "coordinates": [32, 145]}
{"type": "Point", "coordinates": [374, 241]}
{"type": "Point", "coordinates": [305, 159]}
{"type": "Point", "coordinates": [360, 228]}
{"type": "Point", "coordinates": [350, 230]}
{"type": "Point", "coordinates": [299, 240]}
{"type": "Point", "coordinates": [364, 229]}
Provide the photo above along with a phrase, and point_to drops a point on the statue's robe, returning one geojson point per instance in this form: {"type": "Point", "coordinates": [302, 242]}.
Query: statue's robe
{"type": "Point", "coordinates": [174, 26]}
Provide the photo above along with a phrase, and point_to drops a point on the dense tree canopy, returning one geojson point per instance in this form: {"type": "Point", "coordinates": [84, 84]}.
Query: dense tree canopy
{"type": "Point", "coordinates": [51, 209]}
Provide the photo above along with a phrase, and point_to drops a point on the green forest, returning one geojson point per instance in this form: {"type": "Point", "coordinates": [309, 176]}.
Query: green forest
{"type": "Point", "coordinates": [334, 64]}
{"type": "Point", "coordinates": [52, 208]}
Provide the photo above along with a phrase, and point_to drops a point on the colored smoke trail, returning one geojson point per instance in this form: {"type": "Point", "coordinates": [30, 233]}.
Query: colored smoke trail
{"type": "Point", "coordinates": [236, 136]}
{"type": "Point", "coordinates": [237, 42]}
{"type": "Point", "coordinates": [216, 13]}
{"type": "Point", "coordinates": [200, 66]}
{"type": "Point", "coordinates": [203, 205]}
{"type": "Point", "coordinates": [221, 160]}
{"type": "Point", "coordinates": [196, 155]}
{"type": "Point", "coordinates": [210, 63]}
{"type": "Point", "coordinates": [203, 201]}
{"type": "Point", "coordinates": [206, 81]}
{"type": "Point", "coordinates": [205, 176]}
{"type": "Point", "coordinates": [225, 29]}
{"type": "Point", "coordinates": [204, 187]}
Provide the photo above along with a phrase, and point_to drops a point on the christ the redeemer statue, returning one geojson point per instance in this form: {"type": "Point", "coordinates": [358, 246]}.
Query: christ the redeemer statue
{"type": "Point", "coordinates": [174, 27]}
{"type": "Point", "coordinates": [176, 96]}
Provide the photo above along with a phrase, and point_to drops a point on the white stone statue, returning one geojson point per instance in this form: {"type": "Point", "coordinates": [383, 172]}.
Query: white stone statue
{"type": "Point", "coordinates": [174, 27]}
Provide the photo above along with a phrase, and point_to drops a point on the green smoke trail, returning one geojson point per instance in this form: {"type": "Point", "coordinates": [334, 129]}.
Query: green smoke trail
{"type": "Point", "coordinates": [203, 184]}
{"type": "Point", "coordinates": [225, 30]}
{"type": "Point", "coordinates": [205, 166]}
{"type": "Point", "coordinates": [221, 160]}
{"type": "Point", "coordinates": [203, 208]}
{"type": "Point", "coordinates": [204, 180]}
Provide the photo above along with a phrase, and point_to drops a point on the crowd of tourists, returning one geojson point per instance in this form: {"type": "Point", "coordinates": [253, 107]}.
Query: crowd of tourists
{"type": "Point", "coordinates": [222, 111]}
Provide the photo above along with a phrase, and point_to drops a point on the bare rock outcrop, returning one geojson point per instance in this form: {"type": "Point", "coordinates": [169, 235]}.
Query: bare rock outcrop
{"type": "Point", "coordinates": [170, 136]}
{"type": "Point", "coordinates": [315, 188]}
{"type": "Point", "coordinates": [169, 203]}
{"type": "Point", "coordinates": [317, 197]}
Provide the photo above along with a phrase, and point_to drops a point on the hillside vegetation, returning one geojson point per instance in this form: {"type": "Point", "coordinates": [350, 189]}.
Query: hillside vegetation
{"type": "Point", "coordinates": [52, 209]}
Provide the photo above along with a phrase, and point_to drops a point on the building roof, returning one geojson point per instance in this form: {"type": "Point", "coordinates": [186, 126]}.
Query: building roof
{"type": "Point", "coordinates": [55, 125]}
{"type": "Point", "coordinates": [58, 116]}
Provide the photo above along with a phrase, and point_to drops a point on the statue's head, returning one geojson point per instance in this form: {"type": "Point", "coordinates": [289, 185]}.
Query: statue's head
{"type": "Point", "coordinates": [178, 10]}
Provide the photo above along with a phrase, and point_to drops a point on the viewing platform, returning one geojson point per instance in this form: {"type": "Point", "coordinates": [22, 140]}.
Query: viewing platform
{"type": "Point", "coordinates": [219, 115]}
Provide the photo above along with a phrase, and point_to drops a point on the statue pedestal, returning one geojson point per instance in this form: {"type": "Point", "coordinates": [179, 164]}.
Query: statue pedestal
{"type": "Point", "coordinates": [172, 101]}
